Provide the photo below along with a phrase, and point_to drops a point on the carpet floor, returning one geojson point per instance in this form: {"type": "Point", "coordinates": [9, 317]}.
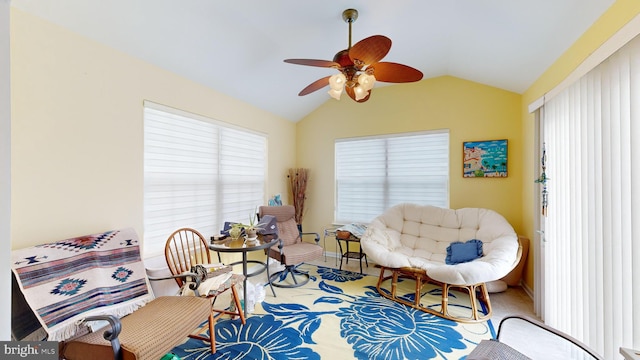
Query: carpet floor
{"type": "Point", "coordinates": [340, 315]}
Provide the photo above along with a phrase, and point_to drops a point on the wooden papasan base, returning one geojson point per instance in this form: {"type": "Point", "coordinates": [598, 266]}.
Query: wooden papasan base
{"type": "Point", "coordinates": [478, 294]}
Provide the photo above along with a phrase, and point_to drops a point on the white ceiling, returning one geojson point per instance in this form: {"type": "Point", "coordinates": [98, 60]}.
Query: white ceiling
{"type": "Point", "coordinates": [237, 46]}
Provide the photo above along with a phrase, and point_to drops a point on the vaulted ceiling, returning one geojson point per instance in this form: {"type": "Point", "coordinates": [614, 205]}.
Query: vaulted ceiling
{"type": "Point", "coordinates": [238, 46]}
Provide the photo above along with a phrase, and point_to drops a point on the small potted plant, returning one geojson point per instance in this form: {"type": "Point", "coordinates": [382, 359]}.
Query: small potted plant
{"type": "Point", "coordinates": [235, 232]}
{"type": "Point", "coordinates": [251, 229]}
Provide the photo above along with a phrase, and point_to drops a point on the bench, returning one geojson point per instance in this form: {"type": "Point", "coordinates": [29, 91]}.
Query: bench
{"type": "Point", "coordinates": [71, 283]}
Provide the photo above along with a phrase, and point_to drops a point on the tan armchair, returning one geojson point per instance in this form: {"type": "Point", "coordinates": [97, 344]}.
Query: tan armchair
{"type": "Point", "coordinates": [292, 250]}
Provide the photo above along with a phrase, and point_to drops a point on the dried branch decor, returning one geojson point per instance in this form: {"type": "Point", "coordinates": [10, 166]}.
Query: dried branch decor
{"type": "Point", "coordinates": [298, 180]}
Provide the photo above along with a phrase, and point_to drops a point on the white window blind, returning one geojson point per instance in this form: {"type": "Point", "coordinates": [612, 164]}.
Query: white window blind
{"type": "Point", "coordinates": [375, 173]}
{"type": "Point", "coordinates": [197, 173]}
{"type": "Point", "coordinates": [591, 283]}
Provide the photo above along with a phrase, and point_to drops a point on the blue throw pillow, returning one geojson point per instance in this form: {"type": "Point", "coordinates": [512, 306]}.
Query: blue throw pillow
{"type": "Point", "coordinates": [460, 252]}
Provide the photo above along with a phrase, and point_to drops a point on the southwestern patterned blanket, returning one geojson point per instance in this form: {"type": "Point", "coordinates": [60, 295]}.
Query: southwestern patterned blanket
{"type": "Point", "coordinates": [66, 281]}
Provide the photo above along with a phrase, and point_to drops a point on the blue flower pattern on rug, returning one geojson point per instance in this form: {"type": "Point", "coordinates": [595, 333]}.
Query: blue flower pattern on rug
{"type": "Point", "coordinates": [262, 337]}
{"type": "Point", "coordinates": [380, 329]}
{"type": "Point", "coordinates": [338, 275]}
{"type": "Point", "coordinates": [375, 327]}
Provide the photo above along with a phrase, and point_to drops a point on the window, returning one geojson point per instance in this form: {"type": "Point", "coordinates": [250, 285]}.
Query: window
{"type": "Point", "coordinates": [197, 173]}
{"type": "Point", "coordinates": [375, 173]}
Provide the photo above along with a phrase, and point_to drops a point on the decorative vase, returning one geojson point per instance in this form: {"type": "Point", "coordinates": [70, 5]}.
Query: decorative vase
{"type": "Point", "coordinates": [252, 233]}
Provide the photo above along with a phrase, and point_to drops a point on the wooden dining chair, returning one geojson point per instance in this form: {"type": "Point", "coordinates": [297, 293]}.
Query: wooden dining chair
{"type": "Point", "coordinates": [186, 248]}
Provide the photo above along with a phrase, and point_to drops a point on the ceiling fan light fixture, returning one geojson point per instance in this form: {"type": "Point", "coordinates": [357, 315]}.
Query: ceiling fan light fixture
{"type": "Point", "coordinates": [357, 66]}
{"type": "Point", "coordinates": [335, 93]}
{"type": "Point", "coordinates": [360, 92]}
{"type": "Point", "coordinates": [366, 81]}
{"type": "Point", "coordinates": [336, 83]}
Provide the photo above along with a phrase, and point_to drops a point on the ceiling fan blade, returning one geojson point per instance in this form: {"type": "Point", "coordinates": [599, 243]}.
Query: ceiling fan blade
{"type": "Point", "coordinates": [395, 73]}
{"type": "Point", "coordinates": [352, 94]}
{"type": "Point", "coordinates": [314, 86]}
{"type": "Point", "coordinates": [313, 62]}
{"type": "Point", "coordinates": [370, 50]}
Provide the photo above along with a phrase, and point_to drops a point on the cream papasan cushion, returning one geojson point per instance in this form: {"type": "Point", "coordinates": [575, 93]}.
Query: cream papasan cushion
{"type": "Point", "coordinates": [417, 236]}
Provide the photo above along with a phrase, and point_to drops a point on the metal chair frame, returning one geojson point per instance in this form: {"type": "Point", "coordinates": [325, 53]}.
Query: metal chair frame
{"type": "Point", "coordinates": [278, 278]}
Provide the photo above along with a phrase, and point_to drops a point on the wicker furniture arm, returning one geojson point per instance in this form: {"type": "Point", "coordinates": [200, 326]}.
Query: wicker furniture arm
{"type": "Point", "coordinates": [110, 333]}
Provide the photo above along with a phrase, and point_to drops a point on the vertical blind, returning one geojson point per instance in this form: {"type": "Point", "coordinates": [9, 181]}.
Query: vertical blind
{"type": "Point", "coordinates": [591, 284]}
{"type": "Point", "coordinates": [375, 173]}
{"type": "Point", "coordinates": [197, 173]}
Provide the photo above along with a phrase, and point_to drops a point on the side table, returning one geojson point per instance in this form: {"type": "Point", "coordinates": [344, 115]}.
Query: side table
{"type": "Point", "coordinates": [350, 254]}
{"type": "Point", "coordinates": [241, 246]}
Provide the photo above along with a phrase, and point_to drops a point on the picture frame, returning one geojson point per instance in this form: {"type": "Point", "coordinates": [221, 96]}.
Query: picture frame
{"type": "Point", "coordinates": [486, 158]}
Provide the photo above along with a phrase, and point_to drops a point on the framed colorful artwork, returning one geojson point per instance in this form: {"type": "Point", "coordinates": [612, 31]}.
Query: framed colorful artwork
{"type": "Point", "coordinates": [485, 158]}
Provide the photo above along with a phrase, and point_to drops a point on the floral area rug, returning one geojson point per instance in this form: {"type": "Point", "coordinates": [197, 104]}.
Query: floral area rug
{"type": "Point", "coordinates": [339, 315]}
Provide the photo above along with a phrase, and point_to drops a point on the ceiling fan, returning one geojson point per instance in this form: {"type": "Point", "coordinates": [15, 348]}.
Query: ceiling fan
{"type": "Point", "coordinates": [359, 67]}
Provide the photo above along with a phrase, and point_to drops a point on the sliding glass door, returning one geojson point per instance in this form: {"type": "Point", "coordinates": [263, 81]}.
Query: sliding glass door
{"type": "Point", "coordinates": [589, 269]}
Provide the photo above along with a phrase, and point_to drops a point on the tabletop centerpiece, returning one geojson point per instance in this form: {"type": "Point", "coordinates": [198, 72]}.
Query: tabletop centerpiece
{"type": "Point", "coordinates": [250, 230]}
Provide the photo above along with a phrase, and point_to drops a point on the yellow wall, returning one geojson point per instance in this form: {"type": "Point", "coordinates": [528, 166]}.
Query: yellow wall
{"type": "Point", "coordinates": [470, 111]}
{"type": "Point", "coordinates": [77, 131]}
{"type": "Point", "coordinates": [616, 16]}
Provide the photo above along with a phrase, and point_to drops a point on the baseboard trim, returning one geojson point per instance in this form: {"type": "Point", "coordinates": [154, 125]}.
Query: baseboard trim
{"type": "Point", "coordinates": [527, 289]}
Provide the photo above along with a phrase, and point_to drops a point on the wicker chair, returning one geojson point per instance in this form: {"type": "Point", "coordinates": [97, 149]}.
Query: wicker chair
{"type": "Point", "coordinates": [147, 333]}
